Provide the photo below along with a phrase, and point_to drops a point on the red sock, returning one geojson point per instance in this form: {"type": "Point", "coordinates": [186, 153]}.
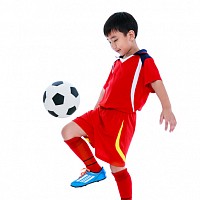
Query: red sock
{"type": "Point", "coordinates": [124, 184]}
{"type": "Point", "coordinates": [82, 150]}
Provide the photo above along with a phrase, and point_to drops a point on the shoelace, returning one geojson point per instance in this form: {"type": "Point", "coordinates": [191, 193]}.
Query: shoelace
{"type": "Point", "coordinates": [84, 171]}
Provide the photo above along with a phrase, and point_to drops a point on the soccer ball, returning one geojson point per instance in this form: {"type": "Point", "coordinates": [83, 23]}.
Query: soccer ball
{"type": "Point", "coordinates": [61, 99]}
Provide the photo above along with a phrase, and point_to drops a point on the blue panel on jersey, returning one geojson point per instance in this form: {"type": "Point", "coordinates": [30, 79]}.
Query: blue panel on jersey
{"type": "Point", "coordinates": [143, 55]}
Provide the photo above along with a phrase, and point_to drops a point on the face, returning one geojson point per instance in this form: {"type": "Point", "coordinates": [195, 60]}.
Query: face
{"type": "Point", "coordinates": [122, 44]}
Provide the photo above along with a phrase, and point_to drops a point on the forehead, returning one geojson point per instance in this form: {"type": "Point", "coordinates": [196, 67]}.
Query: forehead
{"type": "Point", "coordinates": [114, 34]}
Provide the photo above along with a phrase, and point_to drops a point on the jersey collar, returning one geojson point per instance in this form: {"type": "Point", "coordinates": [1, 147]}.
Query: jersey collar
{"type": "Point", "coordinates": [142, 51]}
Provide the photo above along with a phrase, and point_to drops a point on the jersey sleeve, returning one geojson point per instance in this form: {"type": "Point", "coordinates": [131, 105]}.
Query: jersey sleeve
{"type": "Point", "coordinates": [151, 73]}
{"type": "Point", "coordinates": [108, 79]}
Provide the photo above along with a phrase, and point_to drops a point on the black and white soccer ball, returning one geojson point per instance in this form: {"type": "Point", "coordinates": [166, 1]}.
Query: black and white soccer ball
{"type": "Point", "coordinates": [61, 99]}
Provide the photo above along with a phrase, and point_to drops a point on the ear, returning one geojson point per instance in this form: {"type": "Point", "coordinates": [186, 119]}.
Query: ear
{"type": "Point", "coordinates": [131, 35]}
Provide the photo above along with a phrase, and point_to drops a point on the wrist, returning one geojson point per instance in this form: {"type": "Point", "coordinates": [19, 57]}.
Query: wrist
{"type": "Point", "coordinates": [166, 108]}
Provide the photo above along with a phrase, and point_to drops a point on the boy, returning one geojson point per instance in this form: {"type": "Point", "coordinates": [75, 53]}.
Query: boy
{"type": "Point", "coordinates": [110, 126]}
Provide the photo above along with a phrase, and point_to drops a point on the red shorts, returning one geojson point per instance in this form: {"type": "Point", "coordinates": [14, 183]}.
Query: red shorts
{"type": "Point", "coordinates": [110, 132]}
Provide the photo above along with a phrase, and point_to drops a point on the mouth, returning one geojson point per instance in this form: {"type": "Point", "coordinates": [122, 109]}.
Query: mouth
{"type": "Point", "coordinates": [118, 51]}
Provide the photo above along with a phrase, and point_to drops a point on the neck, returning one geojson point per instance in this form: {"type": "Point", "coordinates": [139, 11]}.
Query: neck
{"type": "Point", "coordinates": [132, 50]}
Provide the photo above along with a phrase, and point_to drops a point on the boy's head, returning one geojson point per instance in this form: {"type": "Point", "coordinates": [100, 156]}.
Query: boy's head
{"type": "Point", "coordinates": [122, 22]}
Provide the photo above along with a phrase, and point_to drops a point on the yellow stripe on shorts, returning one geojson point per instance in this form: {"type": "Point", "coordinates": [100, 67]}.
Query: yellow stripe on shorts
{"type": "Point", "coordinates": [117, 146]}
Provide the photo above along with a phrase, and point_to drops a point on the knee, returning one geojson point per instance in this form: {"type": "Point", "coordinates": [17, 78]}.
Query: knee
{"type": "Point", "coordinates": [65, 132]}
{"type": "Point", "coordinates": [72, 130]}
{"type": "Point", "coordinates": [115, 169]}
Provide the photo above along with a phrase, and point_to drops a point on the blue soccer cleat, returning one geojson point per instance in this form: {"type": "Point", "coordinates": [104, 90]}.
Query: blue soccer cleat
{"type": "Point", "coordinates": [88, 177]}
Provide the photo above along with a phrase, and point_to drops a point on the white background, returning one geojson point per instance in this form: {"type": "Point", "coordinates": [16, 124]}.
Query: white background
{"type": "Point", "coordinates": [43, 41]}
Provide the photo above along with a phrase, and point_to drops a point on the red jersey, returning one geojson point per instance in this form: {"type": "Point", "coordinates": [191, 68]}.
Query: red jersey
{"type": "Point", "coordinates": [128, 85]}
{"type": "Point", "coordinates": [111, 126]}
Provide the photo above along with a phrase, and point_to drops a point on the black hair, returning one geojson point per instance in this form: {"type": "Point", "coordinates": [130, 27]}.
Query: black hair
{"type": "Point", "coordinates": [120, 21]}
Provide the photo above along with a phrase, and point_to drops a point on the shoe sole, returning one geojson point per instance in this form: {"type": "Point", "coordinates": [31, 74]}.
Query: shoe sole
{"type": "Point", "coordinates": [87, 184]}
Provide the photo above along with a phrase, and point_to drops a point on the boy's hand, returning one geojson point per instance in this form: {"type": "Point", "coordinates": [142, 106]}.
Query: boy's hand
{"type": "Point", "coordinates": [167, 113]}
{"type": "Point", "coordinates": [169, 118]}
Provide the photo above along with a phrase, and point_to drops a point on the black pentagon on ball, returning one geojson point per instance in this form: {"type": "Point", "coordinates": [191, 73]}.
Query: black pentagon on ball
{"type": "Point", "coordinates": [57, 83]}
{"type": "Point", "coordinates": [53, 113]}
{"type": "Point", "coordinates": [58, 99]}
{"type": "Point", "coordinates": [71, 110]}
{"type": "Point", "coordinates": [74, 91]}
{"type": "Point", "coordinates": [44, 96]}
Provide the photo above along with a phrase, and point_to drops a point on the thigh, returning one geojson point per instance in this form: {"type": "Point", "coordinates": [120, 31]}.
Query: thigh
{"type": "Point", "coordinates": [89, 123]}
{"type": "Point", "coordinates": [72, 130]}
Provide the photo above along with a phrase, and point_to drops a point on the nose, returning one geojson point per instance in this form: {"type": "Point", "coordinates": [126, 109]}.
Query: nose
{"type": "Point", "coordinates": [114, 46]}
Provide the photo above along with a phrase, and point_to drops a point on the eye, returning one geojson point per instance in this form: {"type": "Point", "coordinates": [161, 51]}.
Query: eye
{"type": "Point", "coordinates": [115, 40]}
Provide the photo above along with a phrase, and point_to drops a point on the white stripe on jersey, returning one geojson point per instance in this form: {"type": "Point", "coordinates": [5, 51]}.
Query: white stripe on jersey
{"type": "Point", "coordinates": [134, 83]}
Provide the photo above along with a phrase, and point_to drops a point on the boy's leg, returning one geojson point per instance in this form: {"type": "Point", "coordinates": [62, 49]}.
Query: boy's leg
{"type": "Point", "coordinates": [124, 182]}
{"type": "Point", "coordinates": [72, 134]}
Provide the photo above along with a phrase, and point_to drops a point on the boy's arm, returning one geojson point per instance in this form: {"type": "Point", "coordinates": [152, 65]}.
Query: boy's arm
{"type": "Point", "coordinates": [166, 113]}
{"type": "Point", "coordinates": [100, 97]}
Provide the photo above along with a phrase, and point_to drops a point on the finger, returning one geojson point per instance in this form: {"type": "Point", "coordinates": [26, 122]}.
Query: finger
{"type": "Point", "coordinates": [161, 118]}
{"type": "Point", "coordinates": [166, 124]}
{"type": "Point", "coordinates": [172, 126]}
